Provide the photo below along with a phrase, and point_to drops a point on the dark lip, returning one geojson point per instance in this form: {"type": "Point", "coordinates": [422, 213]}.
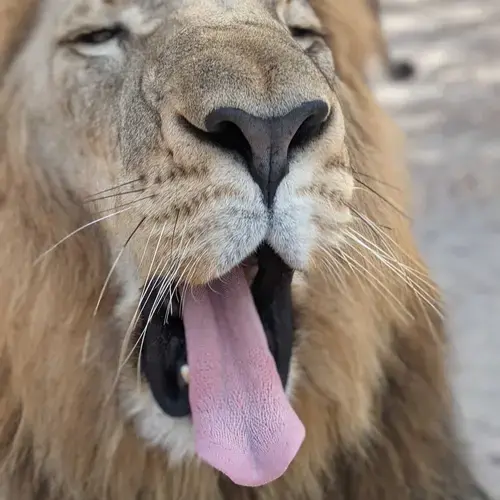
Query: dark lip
{"type": "Point", "coordinates": [272, 295]}
{"type": "Point", "coordinates": [164, 347]}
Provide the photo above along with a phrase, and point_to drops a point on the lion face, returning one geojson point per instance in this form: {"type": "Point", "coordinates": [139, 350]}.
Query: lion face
{"type": "Point", "coordinates": [208, 137]}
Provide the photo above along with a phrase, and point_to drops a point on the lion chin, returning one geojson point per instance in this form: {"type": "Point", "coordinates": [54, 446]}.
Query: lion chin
{"type": "Point", "coordinates": [209, 286]}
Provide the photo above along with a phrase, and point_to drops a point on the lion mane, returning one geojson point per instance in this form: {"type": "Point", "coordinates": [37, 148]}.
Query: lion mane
{"type": "Point", "coordinates": [373, 393]}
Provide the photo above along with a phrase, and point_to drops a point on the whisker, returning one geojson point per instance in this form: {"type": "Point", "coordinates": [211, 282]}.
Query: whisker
{"type": "Point", "coordinates": [133, 202]}
{"type": "Point", "coordinates": [420, 294]}
{"type": "Point", "coordinates": [123, 359]}
{"type": "Point", "coordinates": [171, 274]}
{"type": "Point", "coordinates": [335, 267]}
{"type": "Point", "coordinates": [416, 288]}
{"type": "Point", "coordinates": [85, 226]}
{"type": "Point", "coordinates": [129, 331]}
{"type": "Point", "coordinates": [383, 198]}
{"type": "Point", "coordinates": [169, 307]}
{"type": "Point", "coordinates": [105, 285]}
{"type": "Point", "coordinates": [393, 258]}
{"type": "Point", "coordinates": [360, 216]}
{"type": "Point", "coordinates": [150, 285]}
{"type": "Point", "coordinates": [162, 272]}
{"type": "Point", "coordinates": [421, 276]}
{"type": "Point", "coordinates": [378, 181]}
{"type": "Point", "coordinates": [188, 272]}
{"type": "Point", "coordinates": [165, 285]}
{"type": "Point", "coordinates": [139, 266]}
{"type": "Point", "coordinates": [93, 200]}
{"type": "Point", "coordinates": [133, 320]}
{"type": "Point", "coordinates": [376, 229]}
{"type": "Point", "coordinates": [161, 294]}
{"type": "Point", "coordinates": [113, 188]}
{"type": "Point", "coordinates": [189, 275]}
{"type": "Point", "coordinates": [377, 283]}
{"type": "Point", "coordinates": [332, 256]}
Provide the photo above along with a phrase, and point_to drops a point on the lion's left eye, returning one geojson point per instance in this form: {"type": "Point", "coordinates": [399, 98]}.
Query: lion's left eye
{"type": "Point", "coordinates": [298, 32]}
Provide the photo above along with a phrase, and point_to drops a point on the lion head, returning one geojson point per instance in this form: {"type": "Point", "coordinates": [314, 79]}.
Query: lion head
{"type": "Point", "coordinates": [209, 287]}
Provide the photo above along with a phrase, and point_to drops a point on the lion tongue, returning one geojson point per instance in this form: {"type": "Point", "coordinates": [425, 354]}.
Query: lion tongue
{"type": "Point", "coordinates": [244, 425]}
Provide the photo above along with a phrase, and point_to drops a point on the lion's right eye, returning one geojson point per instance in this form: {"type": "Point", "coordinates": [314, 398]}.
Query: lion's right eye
{"type": "Point", "coordinates": [98, 36]}
{"type": "Point", "coordinates": [97, 42]}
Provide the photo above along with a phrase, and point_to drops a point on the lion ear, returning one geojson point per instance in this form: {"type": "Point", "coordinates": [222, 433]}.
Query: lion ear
{"type": "Point", "coordinates": [16, 17]}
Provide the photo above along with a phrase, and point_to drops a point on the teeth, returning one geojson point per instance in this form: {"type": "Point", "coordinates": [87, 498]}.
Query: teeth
{"type": "Point", "coordinates": [185, 373]}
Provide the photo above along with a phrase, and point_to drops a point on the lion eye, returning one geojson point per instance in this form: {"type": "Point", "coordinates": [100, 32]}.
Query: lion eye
{"type": "Point", "coordinates": [99, 36]}
{"type": "Point", "coordinates": [298, 32]}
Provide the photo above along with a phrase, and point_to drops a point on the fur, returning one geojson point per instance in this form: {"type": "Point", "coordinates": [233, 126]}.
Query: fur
{"type": "Point", "coordinates": [360, 37]}
{"type": "Point", "coordinates": [371, 352]}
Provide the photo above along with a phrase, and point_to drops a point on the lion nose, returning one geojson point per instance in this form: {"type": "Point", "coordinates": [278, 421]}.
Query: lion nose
{"type": "Point", "coordinates": [266, 143]}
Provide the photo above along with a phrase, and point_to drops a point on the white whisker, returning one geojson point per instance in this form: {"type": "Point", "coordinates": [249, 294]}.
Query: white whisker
{"type": "Point", "coordinates": [53, 247]}
{"type": "Point", "coordinates": [423, 294]}
{"type": "Point", "coordinates": [129, 331]}
{"type": "Point", "coordinates": [377, 283]}
{"type": "Point", "coordinates": [105, 285]}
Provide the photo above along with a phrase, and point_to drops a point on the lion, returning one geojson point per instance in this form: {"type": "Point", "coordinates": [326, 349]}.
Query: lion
{"type": "Point", "coordinates": [209, 284]}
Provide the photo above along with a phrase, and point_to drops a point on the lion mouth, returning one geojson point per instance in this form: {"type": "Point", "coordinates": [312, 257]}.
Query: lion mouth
{"type": "Point", "coordinates": [164, 357]}
{"type": "Point", "coordinates": [221, 354]}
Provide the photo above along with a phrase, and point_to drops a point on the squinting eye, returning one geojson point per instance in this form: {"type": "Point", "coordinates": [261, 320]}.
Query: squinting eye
{"type": "Point", "coordinates": [302, 32]}
{"type": "Point", "coordinates": [98, 36]}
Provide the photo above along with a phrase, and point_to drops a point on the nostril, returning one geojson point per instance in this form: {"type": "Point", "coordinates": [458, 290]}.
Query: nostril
{"type": "Point", "coordinates": [312, 125]}
{"type": "Point", "coordinates": [228, 135]}
{"type": "Point", "coordinates": [221, 133]}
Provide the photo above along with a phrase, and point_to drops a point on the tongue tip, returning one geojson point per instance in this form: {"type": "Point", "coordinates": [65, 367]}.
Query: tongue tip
{"type": "Point", "coordinates": [253, 470]}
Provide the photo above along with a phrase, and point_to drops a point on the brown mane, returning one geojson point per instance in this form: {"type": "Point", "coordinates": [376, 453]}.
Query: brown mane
{"type": "Point", "coordinates": [374, 396]}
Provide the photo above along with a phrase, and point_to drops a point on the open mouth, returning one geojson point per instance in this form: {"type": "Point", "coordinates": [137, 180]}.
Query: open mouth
{"type": "Point", "coordinates": [221, 354]}
{"type": "Point", "coordinates": [164, 354]}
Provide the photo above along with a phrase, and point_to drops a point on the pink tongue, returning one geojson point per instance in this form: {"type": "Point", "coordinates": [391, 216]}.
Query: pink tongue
{"type": "Point", "coordinates": [244, 425]}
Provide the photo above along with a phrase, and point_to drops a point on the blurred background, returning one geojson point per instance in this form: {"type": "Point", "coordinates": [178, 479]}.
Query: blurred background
{"type": "Point", "coordinates": [450, 112]}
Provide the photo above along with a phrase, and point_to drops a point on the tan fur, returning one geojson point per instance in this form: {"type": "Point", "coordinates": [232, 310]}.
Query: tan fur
{"type": "Point", "coordinates": [14, 20]}
{"type": "Point", "coordinates": [372, 390]}
{"type": "Point", "coordinates": [358, 34]}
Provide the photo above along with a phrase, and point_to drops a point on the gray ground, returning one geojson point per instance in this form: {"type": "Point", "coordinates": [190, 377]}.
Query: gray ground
{"type": "Point", "coordinates": [451, 113]}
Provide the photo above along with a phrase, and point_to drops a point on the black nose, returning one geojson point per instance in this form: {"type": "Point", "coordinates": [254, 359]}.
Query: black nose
{"type": "Point", "coordinates": [266, 143]}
